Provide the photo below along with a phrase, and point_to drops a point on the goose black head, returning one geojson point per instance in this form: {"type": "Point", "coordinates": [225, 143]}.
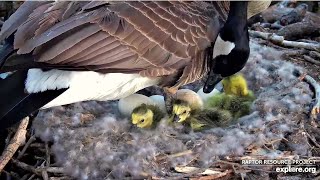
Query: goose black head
{"type": "Point", "coordinates": [231, 48]}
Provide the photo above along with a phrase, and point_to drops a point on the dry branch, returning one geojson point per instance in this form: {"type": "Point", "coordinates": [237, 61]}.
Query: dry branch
{"type": "Point", "coordinates": [279, 40]}
{"type": "Point", "coordinates": [191, 169]}
{"type": "Point", "coordinates": [184, 153]}
{"type": "Point", "coordinates": [26, 167]}
{"type": "Point", "coordinates": [310, 26]}
{"type": "Point", "coordinates": [315, 54]}
{"type": "Point", "coordinates": [18, 139]}
{"type": "Point", "coordinates": [298, 30]}
{"type": "Point", "coordinates": [313, 139]}
{"type": "Point", "coordinates": [31, 139]}
{"type": "Point", "coordinates": [316, 107]}
{"type": "Point", "coordinates": [310, 59]}
{"type": "Point", "coordinates": [44, 173]}
{"type": "Point", "coordinates": [296, 15]}
{"type": "Point", "coordinates": [215, 176]}
{"type": "Point", "coordinates": [274, 13]}
{"type": "Point", "coordinates": [39, 170]}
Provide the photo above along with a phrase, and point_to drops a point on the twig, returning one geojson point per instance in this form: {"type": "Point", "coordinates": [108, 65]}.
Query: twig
{"type": "Point", "coordinates": [280, 40]}
{"type": "Point", "coordinates": [190, 173]}
{"type": "Point", "coordinates": [55, 170]}
{"type": "Point", "coordinates": [315, 54]}
{"type": "Point", "coordinates": [291, 52]}
{"type": "Point", "coordinates": [176, 155]}
{"type": "Point", "coordinates": [312, 139]}
{"type": "Point", "coordinates": [47, 155]}
{"type": "Point", "coordinates": [193, 170]}
{"type": "Point", "coordinates": [38, 170]}
{"type": "Point", "coordinates": [16, 141]}
{"type": "Point", "coordinates": [310, 59]}
{"type": "Point", "coordinates": [44, 173]}
{"type": "Point", "coordinates": [316, 107]}
{"type": "Point", "coordinates": [25, 177]}
{"type": "Point", "coordinates": [60, 178]}
{"type": "Point", "coordinates": [32, 176]}
{"type": "Point", "coordinates": [215, 176]}
{"type": "Point", "coordinates": [31, 139]}
{"type": "Point", "coordinates": [26, 167]}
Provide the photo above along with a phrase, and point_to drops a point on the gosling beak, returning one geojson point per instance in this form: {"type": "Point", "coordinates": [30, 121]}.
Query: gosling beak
{"type": "Point", "coordinates": [176, 118]}
{"type": "Point", "coordinates": [180, 121]}
{"type": "Point", "coordinates": [134, 122]}
{"type": "Point", "coordinates": [212, 81]}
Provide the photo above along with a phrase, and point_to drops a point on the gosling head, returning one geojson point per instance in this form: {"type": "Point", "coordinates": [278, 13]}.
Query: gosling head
{"type": "Point", "coordinates": [181, 111]}
{"type": "Point", "coordinates": [235, 85]}
{"type": "Point", "coordinates": [142, 116]}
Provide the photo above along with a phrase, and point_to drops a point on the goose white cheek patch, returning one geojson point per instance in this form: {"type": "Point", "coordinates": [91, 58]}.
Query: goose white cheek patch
{"type": "Point", "coordinates": [222, 47]}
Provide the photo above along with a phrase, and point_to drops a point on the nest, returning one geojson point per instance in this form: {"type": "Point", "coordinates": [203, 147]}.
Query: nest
{"type": "Point", "coordinates": [90, 140]}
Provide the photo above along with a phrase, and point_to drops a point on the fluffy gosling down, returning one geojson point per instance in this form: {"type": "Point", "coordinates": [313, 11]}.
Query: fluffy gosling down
{"type": "Point", "coordinates": [191, 113]}
{"type": "Point", "coordinates": [188, 107]}
{"type": "Point", "coordinates": [145, 112]}
{"type": "Point", "coordinates": [236, 98]}
{"type": "Point", "coordinates": [147, 116]}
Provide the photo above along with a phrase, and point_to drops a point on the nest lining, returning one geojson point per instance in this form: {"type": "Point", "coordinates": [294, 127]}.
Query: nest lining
{"type": "Point", "coordinates": [91, 140]}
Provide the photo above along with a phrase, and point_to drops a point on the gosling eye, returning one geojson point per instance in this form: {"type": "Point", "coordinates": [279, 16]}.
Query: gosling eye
{"type": "Point", "coordinates": [142, 120]}
{"type": "Point", "coordinates": [184, 112]}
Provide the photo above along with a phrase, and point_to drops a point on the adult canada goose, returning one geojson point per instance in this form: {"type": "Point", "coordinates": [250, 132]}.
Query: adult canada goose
{"type": "Point", "coordinates": [64, 52]}
{"type": "Point", "coordinates": [234, 39]}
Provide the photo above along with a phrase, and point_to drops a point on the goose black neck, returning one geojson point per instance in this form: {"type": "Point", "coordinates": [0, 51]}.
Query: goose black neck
{"type": "Point", "coordinates": [238, 9]}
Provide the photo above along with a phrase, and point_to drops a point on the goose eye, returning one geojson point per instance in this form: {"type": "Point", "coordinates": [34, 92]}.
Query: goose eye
{"type": "Point", "coordinates": [142, 120]}
{"type": "Point", "coordinates": [184, 112]}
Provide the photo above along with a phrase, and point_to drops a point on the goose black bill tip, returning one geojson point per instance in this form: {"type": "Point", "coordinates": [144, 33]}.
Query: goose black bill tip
{"type": "Point", "coordinates": [212, 81]}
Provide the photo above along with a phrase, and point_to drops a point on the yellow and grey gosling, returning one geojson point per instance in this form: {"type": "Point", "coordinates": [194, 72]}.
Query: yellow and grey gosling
{"type": "Point", "coordinates": [147, 116]}
{"type": "Point", "coordinates": [191, 102]}
{"type": "Point", "coordinates": [142, 110]}
{"type": "Point", "coordinates": [235, 85]}
{"type": "Point", "coordinates": [236, 98]}
{"type": "Point", "coordinates": [200, 119]}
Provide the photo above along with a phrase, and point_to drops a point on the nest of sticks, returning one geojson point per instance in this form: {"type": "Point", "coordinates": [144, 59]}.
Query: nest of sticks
{"type": "Point", "coordinates": [90, 140]}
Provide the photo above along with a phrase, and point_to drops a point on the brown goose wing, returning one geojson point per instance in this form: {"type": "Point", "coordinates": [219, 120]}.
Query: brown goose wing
{"type": "Point", "coordinates": [150, 38]}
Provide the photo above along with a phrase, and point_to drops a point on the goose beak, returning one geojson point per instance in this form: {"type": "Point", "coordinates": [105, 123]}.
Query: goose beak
{"type": "Point", "coordinates": [212, 81]}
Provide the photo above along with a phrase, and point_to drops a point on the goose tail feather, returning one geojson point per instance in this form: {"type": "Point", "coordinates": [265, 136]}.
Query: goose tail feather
{"type": "Point", "coordinates": [16, 103]}
{"type": "Point", "coordinates": [6, 50]}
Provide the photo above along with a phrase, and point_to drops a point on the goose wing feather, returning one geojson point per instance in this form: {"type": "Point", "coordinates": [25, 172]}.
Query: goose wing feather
{"type": "Point", "coordinates": [150, 38]}
{"type": "Point", "coordinates": [19, 17]}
